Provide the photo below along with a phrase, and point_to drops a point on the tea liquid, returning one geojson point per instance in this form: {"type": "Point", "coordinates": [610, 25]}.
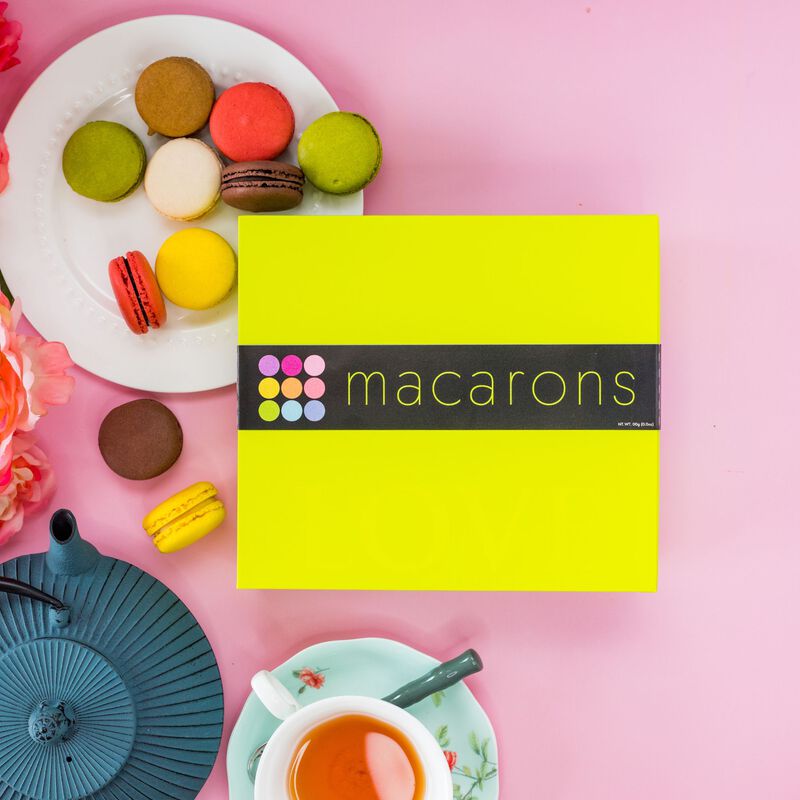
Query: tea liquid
{"type": "Point", "coordinates": [356, 757]}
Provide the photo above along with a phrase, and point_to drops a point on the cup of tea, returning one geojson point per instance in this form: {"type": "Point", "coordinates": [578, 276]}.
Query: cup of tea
{"type": "Point", "coordinates": [353, 747]}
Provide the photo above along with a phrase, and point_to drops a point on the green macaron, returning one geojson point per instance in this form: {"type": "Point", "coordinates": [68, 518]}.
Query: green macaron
{"type": "Point", "coordinates": [340, 153]}
{"type": "Point", "coordinates": [104, 161]}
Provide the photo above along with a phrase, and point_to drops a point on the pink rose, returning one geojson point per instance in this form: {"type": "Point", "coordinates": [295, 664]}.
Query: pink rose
{"type": "Point", "coordinates": [3, 163]}
{"type": "Point", "coordinates": [10, 33]}
{"type": "Point", "coordinates": [26, 483]}
{"type": "Point", "coordinates": [315, 680]}
{"type": "Point", "coordinates": [452, 759]}
{"type": "Point", "coordinates": [32, 376]}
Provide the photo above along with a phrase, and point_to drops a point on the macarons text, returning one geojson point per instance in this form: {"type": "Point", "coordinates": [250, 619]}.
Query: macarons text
{"type": "Point", "coordinates": [482, 388]}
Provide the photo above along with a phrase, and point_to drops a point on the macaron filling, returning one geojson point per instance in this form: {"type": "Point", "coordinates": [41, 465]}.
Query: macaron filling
{"type": "Point", "coordinates": [132, 282]}
{"type": "Point", "coordinates": [193, 513]}
{"type": "Point", "coordinates": [261, 178]}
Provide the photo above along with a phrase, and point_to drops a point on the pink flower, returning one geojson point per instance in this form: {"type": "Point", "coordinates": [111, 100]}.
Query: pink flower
{"type": "Point", "coordinates": [316, 680]}
{"type": "Point", "coordinates": [452, 759]}
{"type": "Point", "coordinates": [10, 33]}
{"type": "Point", "coordinates": [3, 163]}
{"type": "Point", "coordinates": [26, 483]}
{"type": "Point", "coordinates": [32, 376]}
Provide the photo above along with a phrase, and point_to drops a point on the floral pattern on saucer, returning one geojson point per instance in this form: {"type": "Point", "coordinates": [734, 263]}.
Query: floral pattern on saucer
{"type": "Point", "coordinates": [376, 667]}
{"type": "Point", "coordinates": [468, 782]}
{"type": "Point", "coordinates": [310, 678]}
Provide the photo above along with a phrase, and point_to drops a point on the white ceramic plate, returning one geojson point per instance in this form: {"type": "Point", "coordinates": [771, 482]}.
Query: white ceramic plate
{"type": "Point", "coordinates": [55, 245]}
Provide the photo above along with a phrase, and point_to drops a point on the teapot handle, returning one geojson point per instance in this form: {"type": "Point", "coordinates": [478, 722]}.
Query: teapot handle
{"type": "Point", "coordinates": [12, 586]}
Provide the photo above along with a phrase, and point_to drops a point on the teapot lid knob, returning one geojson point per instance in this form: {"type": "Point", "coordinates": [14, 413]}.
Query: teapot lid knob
{"type": "Point", "coordinates": [51, 722]}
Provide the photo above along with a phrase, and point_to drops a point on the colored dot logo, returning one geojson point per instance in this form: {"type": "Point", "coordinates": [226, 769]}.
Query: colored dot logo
{"type": "Point", "coordinates": [291, 388]}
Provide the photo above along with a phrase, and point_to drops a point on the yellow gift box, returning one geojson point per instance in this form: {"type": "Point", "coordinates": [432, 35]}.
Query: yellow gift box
{"type": "Point", "coordinates": [415, 477]}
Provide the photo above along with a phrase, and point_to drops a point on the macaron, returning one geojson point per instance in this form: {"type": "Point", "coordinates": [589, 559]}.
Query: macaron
{"type": "Point", "coordinates": [251, 122]}
{"type": "Point", "coordinates": [185, 517]}
{"type": "Point", "coordinates": [136, 291]}
{"type": "Point", "coordinates": [196, 268]}
{"type": "Point", "coordinates": [262, 185]}
{"type": "Point", "coordinates": [183, 179]}
{"type": "Point", "coordinates": [340, 152]}
{"type": "Point", "coordinates": [174, 96]}
{"type": "Point", "coordinates": [103, 161]}
{"type": "Point", "coordinates": [140, 440]}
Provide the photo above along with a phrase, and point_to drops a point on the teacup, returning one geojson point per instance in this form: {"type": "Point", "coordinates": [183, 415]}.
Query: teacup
{"type": "Point", "coordinates": [273, 776]}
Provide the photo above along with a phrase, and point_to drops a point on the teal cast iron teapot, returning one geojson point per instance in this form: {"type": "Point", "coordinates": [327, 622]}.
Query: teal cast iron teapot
{"type": "Point", "coordinates": [108, 687]}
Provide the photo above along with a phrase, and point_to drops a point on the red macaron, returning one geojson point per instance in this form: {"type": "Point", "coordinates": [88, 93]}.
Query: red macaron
{"type": "Point", "coordinates": [136, 289]}
{"type": "Point", "coordinates": [251, 122]}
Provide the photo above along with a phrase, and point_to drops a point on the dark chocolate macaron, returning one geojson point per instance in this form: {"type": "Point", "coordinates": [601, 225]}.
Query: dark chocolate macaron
{"type": "Point", "coordinates": [262, 185]}
{"type": "Point", "coordinates": [140, 439]}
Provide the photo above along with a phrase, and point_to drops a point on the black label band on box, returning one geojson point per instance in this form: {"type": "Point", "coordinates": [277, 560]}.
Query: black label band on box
{"type": "Point", "coordinates": [450, 387]}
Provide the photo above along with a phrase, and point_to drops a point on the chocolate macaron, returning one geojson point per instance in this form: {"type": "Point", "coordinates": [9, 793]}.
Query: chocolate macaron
{"type": "Point", "coordinates": [262, 185]}
{"type": "Point", "coordinates": [140, 440]}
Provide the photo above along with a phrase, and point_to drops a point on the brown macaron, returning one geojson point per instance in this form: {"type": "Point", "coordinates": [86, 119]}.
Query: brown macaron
{"type": "Point", "coordinates": [140, 440]}
{"type": "Point", "coordinates": [174, 96]}
{"type": "Point", "coordinates": [262, 185]}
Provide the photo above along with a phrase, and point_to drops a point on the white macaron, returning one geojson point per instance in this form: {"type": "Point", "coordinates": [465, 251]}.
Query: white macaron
{"type": "Point", "coordinates": [183, 179]}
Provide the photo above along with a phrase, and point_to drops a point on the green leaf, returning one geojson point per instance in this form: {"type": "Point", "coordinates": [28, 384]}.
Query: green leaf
{"type": "Point", "coordinates": [301, 689]}
{"type": "Point", "coordinates": [467, 771]}
{"type": "Point", "coordinates": [473, 743]}
{"type": "Point", "coordinates": [491, 773]}
{"type": "Point", "coordinates": [485, 749]}
{"type": "Point", "coordinates": [456, 791]}
{"type": "Point", "coordinates": [442, 736]}
{"type": "Point", "coordinates": [437, 698]}
{"type": "Point", "coordinates": [296, 673]}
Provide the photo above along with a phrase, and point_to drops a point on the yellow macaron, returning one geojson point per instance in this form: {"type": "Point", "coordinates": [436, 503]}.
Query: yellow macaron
{"type": "Point", "coordinates": [196, 268]}
{"type": "Point", "coordinates": [185, 517]}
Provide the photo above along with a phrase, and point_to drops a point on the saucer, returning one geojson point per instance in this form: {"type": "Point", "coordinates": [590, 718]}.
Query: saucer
{"type": "Point", "coordinates": [375, 667]}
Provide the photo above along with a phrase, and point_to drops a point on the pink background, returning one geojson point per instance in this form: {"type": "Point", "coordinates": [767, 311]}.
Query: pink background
{"type": "Point", "coordinates": [684, 109]}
